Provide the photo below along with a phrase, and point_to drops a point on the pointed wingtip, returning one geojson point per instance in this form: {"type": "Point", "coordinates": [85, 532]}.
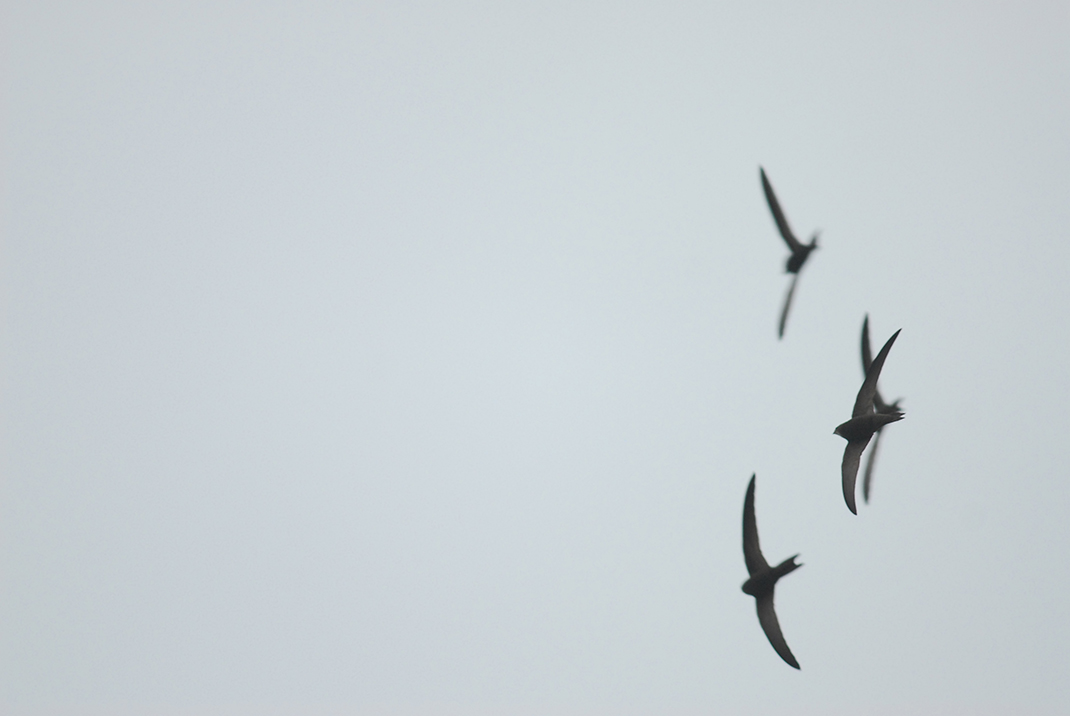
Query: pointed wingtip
{"type": "Point", "coordinates": [783, 324]}
{"type": "Point", "coordinates": [867, 352]}
{"type": "Point", "coordinates": [771, 626]}
{"type": "Point", "coordinates": [849, 498]}
{"type": "Point", "coordinates": [851, 456]}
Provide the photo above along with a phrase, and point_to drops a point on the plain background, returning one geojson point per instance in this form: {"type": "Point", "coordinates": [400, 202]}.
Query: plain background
{"type": "Point", "coordinates": [413, 358]}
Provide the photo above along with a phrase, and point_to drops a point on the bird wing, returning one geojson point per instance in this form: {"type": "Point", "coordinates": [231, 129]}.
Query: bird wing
{"type": "Point", "coordinates": [867, 361]}
{"type": "Point", "coordinates": [771, 627]}
{"type": "Point", "coordinates": [852, 455]}
{"type": "Point", "coordinates": [787, 305]}
{"type": "Point", "coordinates": [752, 553]}
{"type": "Point", "coordinates": [867, 354]}
{"type": "Point", "coordinates": [869, 466]}
{"type": "Point", "coordinates": [882, 407]}
{"type": "Point", "coordinates": [864, 401]}
{"type": "Point", "coordinates": [778, 214]}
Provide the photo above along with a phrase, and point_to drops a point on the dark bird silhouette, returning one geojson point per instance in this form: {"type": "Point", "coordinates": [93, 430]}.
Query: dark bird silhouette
{"type": "Point", "coordinates": [878, 404]}
{"type": "Point", "coordinates": [799, 251]}
{"type": "Point", "coordinates": [863, 423]}
{"type": "Point", "coordinates": [763, 579]}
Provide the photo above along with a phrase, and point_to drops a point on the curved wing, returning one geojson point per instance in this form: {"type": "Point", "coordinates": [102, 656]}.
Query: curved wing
{"type": "Point", "coordinates": [864, 401]}
{"type": "Point", "coordinates": [852, 455]}
{"type": "Point", "coordinates": [867, 361]}
{"type": "Point", "coordinates": [778, 214]}
{"type": "Point", "coordinates": [771, 627]}
{"type": "Point", "coordinates": [869, 467]}
{"type": "Point", "coordinates": [752, 553]}
{"type": "Point", "coordinates": [787, 305]}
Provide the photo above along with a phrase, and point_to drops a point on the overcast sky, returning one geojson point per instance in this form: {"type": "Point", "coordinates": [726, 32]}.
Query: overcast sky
{"type": "Point", "coordinates": [413, 358]}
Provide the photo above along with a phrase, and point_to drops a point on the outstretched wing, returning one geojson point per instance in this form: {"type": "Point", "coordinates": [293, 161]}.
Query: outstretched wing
{"type": "Point", "coordinates": [869, 467]}
{"type": "Point", "coordinates": [771, 627]}
{"type": "Point", "coordinates": [752, 553]}
{"type": "Point", "coordinates": [852, 455]}
{"type": "Point", "coordinates": [787, 305]}
{"type": "Point", "coordinates": [864, 401]}
{"type": "Point", "coordinates": [778, 214]}
{"type": "Point", "coordinates": [867, 354]}
{"type": "Point", "coordinates": [867, 361]}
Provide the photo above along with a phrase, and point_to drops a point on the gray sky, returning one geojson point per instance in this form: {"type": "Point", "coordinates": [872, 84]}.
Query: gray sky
{"type": "Point", "coordinates": [414, 358]}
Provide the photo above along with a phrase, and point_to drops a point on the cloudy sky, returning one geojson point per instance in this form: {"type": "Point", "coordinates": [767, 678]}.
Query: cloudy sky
{"type": "Point", "coordinates": [413, 358]}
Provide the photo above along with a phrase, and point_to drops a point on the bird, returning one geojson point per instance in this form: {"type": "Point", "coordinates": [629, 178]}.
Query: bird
{"type": "Point", "coordinates": [878, 404]}
{"type": "Point", "coordinates": [763, 579]}
{"type": "Point", "coordinates": [799, 251]}
{"type": "Point", "coordinates": [863, 423]}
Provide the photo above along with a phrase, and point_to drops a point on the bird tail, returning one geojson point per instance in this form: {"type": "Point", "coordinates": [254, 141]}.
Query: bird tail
{"type": "Point", "coordinates": [788, 566]}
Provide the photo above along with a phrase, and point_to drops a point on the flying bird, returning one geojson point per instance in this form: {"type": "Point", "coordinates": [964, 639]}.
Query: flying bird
{"type": "Point", "coordinates": [763, 579]}
{"type": "Point", "coordinates": [863, 423]}
{"type": "Point", "coordinates": [878, 404]}
{"type": "Point", "coordinates": [799, 251]}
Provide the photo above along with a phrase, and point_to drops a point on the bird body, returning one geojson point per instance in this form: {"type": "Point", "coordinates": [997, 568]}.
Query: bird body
{"type": "Point", "coordinates": [762, 582]}
{"type": "Point", "coordinates": [863, 427]}
{"type": "Point", "coordinates": [799, 254]}
{"type": "Point", "coordinates": [763, 579]}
